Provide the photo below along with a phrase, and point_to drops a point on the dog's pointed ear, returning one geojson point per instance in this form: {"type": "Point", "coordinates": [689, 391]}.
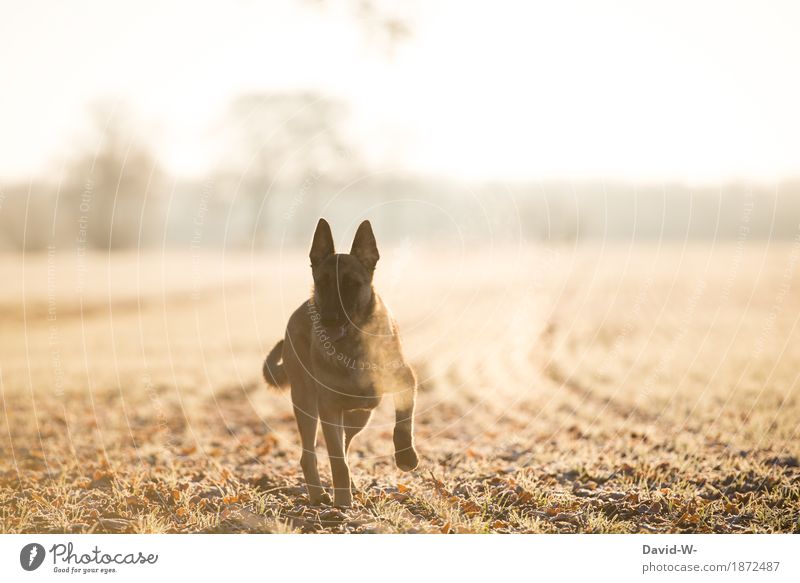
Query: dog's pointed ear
{"type": "Point", "coordinates": [365, 249]}
{"type": "Point", "coordinates": [322, 246]}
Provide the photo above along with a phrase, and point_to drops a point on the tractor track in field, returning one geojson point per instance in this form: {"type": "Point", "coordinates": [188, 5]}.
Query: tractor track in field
{"type": "Point", "coordinates": [557, 375]}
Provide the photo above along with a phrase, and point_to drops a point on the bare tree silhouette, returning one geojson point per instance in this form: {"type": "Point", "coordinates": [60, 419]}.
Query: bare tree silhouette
{"type": "Point", "coordinates": [285, 145]}
{"type": "Point", "coordinates": [112, 184]}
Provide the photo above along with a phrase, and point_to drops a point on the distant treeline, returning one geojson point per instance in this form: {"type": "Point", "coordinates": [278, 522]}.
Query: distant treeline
{"type": "Point", "coordinates": [221, 212]}
{"type": "Point", "coordinates": [288, 160]}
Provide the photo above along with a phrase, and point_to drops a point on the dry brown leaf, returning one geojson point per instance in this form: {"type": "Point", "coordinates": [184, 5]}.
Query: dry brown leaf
{"type": "Point", "coordinates": [469, 507]}
{"type": "Point", "coordinates": [135, 501]}
{"type": "Point", "coordinates": [689, 519]}
{"type": "Point", "coordinates": [101, 475]}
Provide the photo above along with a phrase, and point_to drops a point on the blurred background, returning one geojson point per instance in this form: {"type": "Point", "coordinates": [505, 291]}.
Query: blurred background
{"type": "Point", "coordinates": [234, 125]}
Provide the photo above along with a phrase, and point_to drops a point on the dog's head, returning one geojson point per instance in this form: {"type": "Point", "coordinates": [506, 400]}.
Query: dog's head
{"type": "Point", "coordinates": [343, 290]}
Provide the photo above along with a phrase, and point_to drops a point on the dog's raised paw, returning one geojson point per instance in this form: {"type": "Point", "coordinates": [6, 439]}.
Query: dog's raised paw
{"type": "Point", "coordinates": [406, 459]}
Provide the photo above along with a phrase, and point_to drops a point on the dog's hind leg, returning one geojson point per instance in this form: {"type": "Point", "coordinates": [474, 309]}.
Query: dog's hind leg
{"type": "Point", "coordinates": [333, 429]}
{"type": "Point", "coordinates": [404, 400]}
{"type": "Point", "coordinates": [306, 414]}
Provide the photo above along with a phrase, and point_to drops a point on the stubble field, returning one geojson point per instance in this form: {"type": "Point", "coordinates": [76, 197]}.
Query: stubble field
{"type": "Point", "coordinates": [612, 389]}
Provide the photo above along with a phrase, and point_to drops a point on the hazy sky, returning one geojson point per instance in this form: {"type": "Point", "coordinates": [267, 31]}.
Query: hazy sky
{"type": "Point", "coordinates": [684, 90]}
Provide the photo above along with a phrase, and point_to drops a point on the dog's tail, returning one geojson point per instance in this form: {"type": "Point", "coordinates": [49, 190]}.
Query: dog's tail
{"type": "Point", "coordinates": [274, 371]}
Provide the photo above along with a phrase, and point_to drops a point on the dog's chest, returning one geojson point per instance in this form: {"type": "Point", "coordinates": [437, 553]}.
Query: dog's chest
{"type": "Point", "coordinates": [356, 378]}
{"type": "Point", "coordinates": [353, 388]}
{"type": "Point", "coordinates": [361, 368]}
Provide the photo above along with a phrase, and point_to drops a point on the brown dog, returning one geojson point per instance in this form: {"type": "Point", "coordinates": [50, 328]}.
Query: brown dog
{"type": "Point", "coordinates": [341, 354]}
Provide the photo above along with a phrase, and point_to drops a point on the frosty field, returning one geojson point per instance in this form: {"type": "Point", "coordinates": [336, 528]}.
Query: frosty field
{"type": "Point", "coordinates": [644, 388]}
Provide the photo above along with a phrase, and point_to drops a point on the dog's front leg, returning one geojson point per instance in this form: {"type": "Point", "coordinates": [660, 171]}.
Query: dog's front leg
{"type": "Point", "coordinates": [404, 400]}
{"type": "Point", "coordinates": [305, 412]}
{"type": "Point", "coordinates": [333, 429]}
